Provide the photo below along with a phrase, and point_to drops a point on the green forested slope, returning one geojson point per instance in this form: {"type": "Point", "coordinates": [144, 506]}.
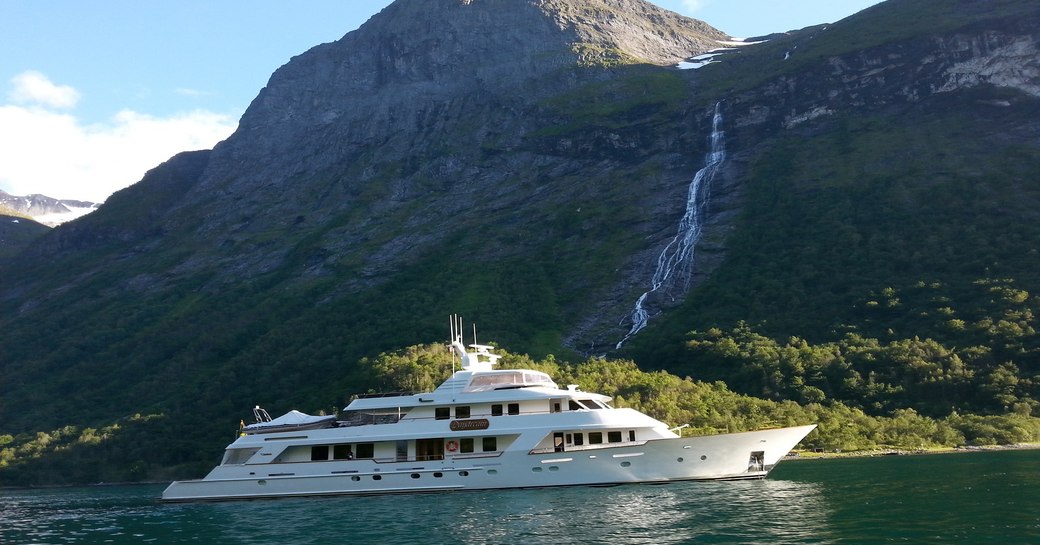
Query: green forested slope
{"type": "Point", "coordinates": [155, 447]}
{"type": "Point", "coordinates": [915, 231]}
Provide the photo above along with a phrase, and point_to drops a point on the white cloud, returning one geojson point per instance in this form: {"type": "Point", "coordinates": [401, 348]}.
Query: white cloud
{"type": "Point", "coordinates": [32, 87]}
{"type": "Point", "coordinates": [188, 92]}
{"type": "Point", "coordinates": [692, 6]}
{"type": "Point", "coordinates": [53, 153]}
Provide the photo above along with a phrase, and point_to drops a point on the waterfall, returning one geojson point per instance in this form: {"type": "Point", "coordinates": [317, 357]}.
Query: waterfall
{"type": "Point", "coordinates": [675, 264]}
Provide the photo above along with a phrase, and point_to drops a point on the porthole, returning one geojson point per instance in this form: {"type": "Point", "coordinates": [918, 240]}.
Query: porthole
{"type": "Point", "coordinates": [377, 477]}
{"type": "Point", "coordinates": [415, 475]}
{"type": "Point", "coordinates": [704, 457]}
{"type": "Point", "coordinates": [438, 475]}
{"type": "Point", "coordinates": [355, 478]}
{"type": "Point", "coordinates": [261, 482]}
{"type": "Point", "coordinates": [679, 459]}
{"type": "Point", "coordinates": [554, 468]}
{"type": "Point", "coordinates": [536, 469]}
{"type": "Point", "coordinates": [492, 472]}
{"type": "Point", "coordinates": [464, 473]}
{"type": "Point", "coordinates": [626, 464]}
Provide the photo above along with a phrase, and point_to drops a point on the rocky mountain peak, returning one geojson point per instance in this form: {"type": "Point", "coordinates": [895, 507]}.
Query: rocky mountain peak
{"type": "Point", "coordinates": [390, 73]}
{"type": "Point", "coordinates": [433, 81]}
{"type": "Point", "coordinates": [633, 28]}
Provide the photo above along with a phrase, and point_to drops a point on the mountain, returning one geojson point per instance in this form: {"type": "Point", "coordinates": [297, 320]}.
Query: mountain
{"type": "Point", "coordinates": [533, 165]}
{"type": "Point", "coordinates": [47, 210]}
{"type": "Point", "coordinates": [17, 231]}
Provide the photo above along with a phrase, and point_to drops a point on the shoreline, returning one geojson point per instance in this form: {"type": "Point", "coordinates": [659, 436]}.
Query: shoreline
{"type": "Point", "coordinates": [829, 455]}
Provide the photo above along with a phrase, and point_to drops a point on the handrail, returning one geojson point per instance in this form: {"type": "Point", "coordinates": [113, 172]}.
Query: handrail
{"type": "Point", "coordinates": [597, 446]}
{"type": "Point", "coordinates": [433, 458]}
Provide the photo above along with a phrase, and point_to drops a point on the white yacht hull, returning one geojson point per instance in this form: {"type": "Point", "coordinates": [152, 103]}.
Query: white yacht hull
{"type": "Point", "coordinates": [748, 455]}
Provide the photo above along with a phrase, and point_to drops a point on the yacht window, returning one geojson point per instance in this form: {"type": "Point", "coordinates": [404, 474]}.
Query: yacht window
{"type": "Point", "coordinates": [342, 452]}
{"type": "Point", "coordinates": [462, 411]}
{"type": "Point", "coordinates": [320, 452]}
{"type": "Point", "coordinates": [569, 439]}
{"type": "Point", "coordinates": [556, 406]}
{"type": "Point", "coordinates": [595, 437]}
{"type": "Point", "coordinates": [490, 444]}
{"type": "Point", "coordinates": [239, 456]}
{"type": "Point", "coordinates": [366, 450]}
{"type": "Point", "coordinates": [614, 436]}
{"type": "Point", "coordinates": [466, 444]}
{"type": "Point", "coordinates": [496, 410]}
{"type": "Point", "coordinates": [514, 408]}
{"type": "Point", "coordinates": [495, 380]}
{"type": "Point", "coordinates": [631, 435]}
{"type": "Point", "coordinates": [590, 404]}
{"type": "Point", "coordinates": [507, 379]}
{"type": "Point", "coordinates": [579, 439]}
{"type": "Point", "coordinates": [573, 405]}
{"type": "Point", "coordinates": [442, 413]}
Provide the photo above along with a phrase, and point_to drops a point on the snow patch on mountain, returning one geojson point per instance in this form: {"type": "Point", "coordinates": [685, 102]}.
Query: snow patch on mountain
{"type": "Point", "coordinates": [47, 210]}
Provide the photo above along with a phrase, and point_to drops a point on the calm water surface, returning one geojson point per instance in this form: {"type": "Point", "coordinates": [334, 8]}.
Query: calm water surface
{"type": "Point", "coordinates": [991, 497]}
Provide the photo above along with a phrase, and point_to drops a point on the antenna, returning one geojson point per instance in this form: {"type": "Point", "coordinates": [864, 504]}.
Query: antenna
{"type": "Point", "coordinates": [474, 333]}
{"type": "Point", "coordinates": [455, 330]}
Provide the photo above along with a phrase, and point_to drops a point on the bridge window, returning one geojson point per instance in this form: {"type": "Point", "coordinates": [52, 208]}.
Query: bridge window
{"type": "Point", "coordinates": [514, 408]}
{"type": "Point", "coordinates": [462, 411]}
{"type": "Point", "coordinates": [614, 436]}
{"type": "Point", "coordinates": [442, 413]}
{"type": "Point", "coordinates": [595, 437]}
{"type": "Point", "coordinates": [496, 410]}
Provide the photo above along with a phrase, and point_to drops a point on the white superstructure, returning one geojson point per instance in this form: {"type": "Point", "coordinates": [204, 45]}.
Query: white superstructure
{"type": "Point", "coordinates": [481, 429]}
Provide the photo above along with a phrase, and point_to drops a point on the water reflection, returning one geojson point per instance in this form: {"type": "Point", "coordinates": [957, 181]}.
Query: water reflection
{"type": "Point", "coordinates": [950, 499]}
{"type": "Point", "coordinates": [742, 512]}
{"type": "Point", "coordinates": [772, 511]}
{"type": "Point", "coordinates": [72, 515]}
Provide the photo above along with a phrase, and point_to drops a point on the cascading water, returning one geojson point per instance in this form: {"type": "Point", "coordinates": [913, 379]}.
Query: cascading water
{"type": "Point", "coordinates": [675, 264]}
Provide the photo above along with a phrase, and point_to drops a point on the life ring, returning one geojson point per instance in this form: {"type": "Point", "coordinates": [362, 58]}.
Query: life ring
{"type": "Point", "coordinates": [451, 446]}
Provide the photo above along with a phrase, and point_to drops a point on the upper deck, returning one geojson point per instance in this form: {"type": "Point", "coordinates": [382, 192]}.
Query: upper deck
{"type": "Point", "coordinates": [477, 382]}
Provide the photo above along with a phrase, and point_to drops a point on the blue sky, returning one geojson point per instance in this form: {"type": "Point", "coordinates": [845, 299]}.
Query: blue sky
{"type": "Point", "coordinates": [93, 94]}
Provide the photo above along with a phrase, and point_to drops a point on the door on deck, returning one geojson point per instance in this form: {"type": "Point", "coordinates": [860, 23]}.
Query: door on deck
{"type": "Point", "coordinates": [756, 461]}
{"type": "Point", "coordinates": [558, 441]}
{"type": "Point", "coordinates": [429, 449]}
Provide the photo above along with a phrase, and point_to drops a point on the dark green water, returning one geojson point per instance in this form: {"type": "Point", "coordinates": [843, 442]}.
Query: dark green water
{"type": "Point", "coordinates": [991, 497]}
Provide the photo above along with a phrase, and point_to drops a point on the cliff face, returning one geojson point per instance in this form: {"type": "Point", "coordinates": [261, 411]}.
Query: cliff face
{"type": "Point", "coordinates": [433, 101]}
{"type": "Point", "coordinates": [524, 163]}
{"type": "Point", "coordinates": [1000, 53]}
{"type": "Point", "coordinates": [426, 69]}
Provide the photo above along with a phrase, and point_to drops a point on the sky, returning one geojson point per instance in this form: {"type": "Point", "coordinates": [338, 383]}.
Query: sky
{"type": "Point", "coordinates": [94, 94]}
